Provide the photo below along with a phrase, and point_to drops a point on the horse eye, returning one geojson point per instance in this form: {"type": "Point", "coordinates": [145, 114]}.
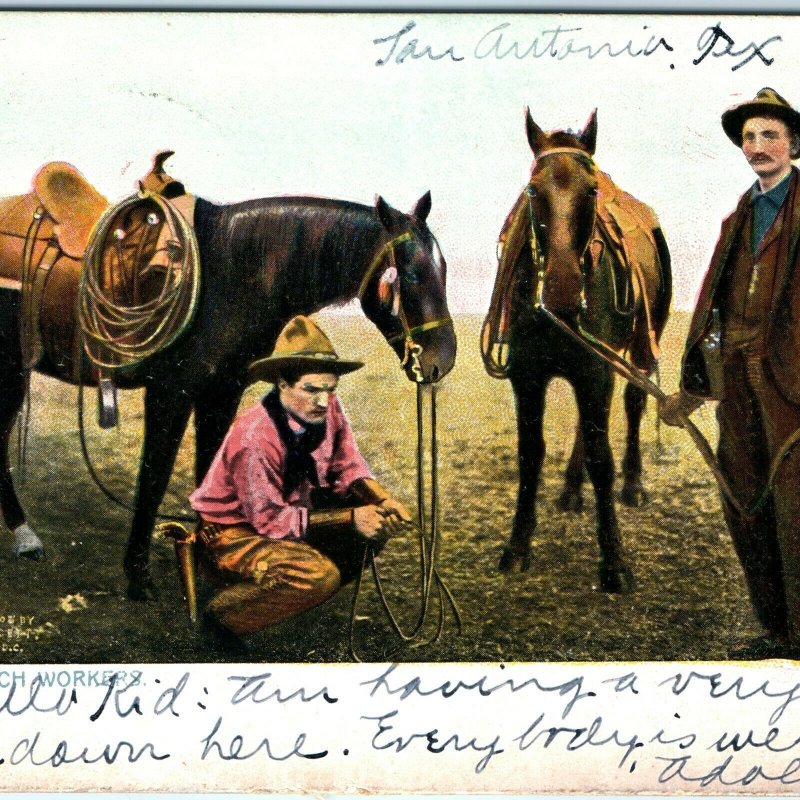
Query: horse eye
{"type": "Point", "coordinates": [411, 275]}
{"type": "Point", "coordinates": [592, 192]}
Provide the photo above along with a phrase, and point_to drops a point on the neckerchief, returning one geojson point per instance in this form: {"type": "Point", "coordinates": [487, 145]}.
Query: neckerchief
{"type": "Point", "coordinates": [299, 463]}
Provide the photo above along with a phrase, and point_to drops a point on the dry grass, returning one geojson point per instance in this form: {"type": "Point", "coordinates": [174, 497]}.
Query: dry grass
{"type": "Point", "coordinates": [690, 601]}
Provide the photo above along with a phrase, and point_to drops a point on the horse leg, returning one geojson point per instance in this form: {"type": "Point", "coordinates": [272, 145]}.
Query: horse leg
{"type": "Point", "coordinates": [571, 498]}
{"type": "Point", "coordinates": [633, 493]}
{"type": "Point", "coordinates": [530, 454]}
{"type": "Point", "coordinates": [214, 411]}
{"type": "Point", "coordinates": [26, 543]}
{"type": "Point", "coordinates": [594, 405]}
{"type": "Point", "coordinates": [166, 412]}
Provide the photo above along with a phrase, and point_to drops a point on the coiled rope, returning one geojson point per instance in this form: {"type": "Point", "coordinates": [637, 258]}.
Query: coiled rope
{"type": "Point", "coordinates": [121, 327]}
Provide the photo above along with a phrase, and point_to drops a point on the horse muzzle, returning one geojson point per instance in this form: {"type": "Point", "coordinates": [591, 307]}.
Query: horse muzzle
{"type": "Point", "coordinates": [563, 293]}
{"type": "Point", "coordinates": [430, 354]}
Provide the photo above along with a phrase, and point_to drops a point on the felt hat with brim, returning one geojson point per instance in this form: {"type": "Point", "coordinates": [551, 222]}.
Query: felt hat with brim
{"type": "Point", "coordinates": [767, 103]}
{"type": "Point", "coordinates": [301, 345]}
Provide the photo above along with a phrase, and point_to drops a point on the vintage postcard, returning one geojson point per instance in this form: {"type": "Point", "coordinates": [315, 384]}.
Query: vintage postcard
{"type": "Point", "coordinates": [400, 402]}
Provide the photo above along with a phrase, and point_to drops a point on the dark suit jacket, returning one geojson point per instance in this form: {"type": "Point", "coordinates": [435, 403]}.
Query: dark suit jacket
{"type": "Point", "coordinates": [783, 323]}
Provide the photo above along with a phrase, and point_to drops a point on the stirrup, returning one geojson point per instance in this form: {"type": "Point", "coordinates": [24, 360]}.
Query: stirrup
{"type": "Point", "coordinates": [107, 408]}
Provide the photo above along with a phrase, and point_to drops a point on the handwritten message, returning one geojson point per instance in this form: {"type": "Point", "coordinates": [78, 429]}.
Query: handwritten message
{"type": "Point", "coordinates": [402, 727]}
{"type": "Point", "coordinates": [513, 42]}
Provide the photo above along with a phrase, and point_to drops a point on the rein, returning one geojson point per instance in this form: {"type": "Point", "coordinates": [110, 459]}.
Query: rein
{"type": "Point", "coordinates": [494, 350]}
{"type": "Point", "coordinates": [623, 367]}
{"type": "Point", "coordinates": [427, 525]}
{"type": "Point", "coordinates": [635, 376]}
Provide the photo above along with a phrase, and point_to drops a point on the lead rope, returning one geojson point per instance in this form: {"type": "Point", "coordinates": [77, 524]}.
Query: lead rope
{"type": "Point", "coordinates": [428, 537]}
{"type": "Point", "coordinates": [638, 378]}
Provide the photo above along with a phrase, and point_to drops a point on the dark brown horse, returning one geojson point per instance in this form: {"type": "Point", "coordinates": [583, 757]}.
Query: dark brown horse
{"type": "Point", "coordinates": [577, 247]}
{"type": "Point", "coordinates": [262, 262]}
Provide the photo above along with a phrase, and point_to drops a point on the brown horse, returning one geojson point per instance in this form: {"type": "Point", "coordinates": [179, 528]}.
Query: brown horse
{"type": "Point", "coordinates": [261, 263]}
{"type": "Point", "coordinates": [577, 247]}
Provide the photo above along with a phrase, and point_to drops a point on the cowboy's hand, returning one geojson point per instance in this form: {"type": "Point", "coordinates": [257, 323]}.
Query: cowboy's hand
{"type": "Point", "coordinates": [370, 521]}
{"type": "Point", "coordinates": [395, 509]}
{"type": "Point", "coordinates": [675, 407]}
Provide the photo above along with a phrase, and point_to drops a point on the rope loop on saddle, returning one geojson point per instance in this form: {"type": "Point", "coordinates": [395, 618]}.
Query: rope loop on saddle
{"type": "Point", "coordinates": [140, 282]}
{"type": "Point", "coordinates": [519, 226]}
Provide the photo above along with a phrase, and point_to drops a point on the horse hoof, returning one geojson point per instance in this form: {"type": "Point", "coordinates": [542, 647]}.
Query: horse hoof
{"type": "Point", "coordinates": [570, 500]}
{"type": "Point", "coordinates": [634, 496]}
{"type": "Point", "coordinates": [615, 578]}
{"type": "Point", "coordinates": [511, 561]}
{"type": "Point", "coordinates": [35, 554]}
{"type": "Point", "coordinates": [142, 590]}
{"type": "Point", "coordinates": [27, 544]}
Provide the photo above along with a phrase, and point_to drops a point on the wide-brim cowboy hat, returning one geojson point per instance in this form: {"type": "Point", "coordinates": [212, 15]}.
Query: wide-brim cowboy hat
{"type": "Point", "coordinates": [302, 345]}
{"type": "Point", "coordinates": [767, 103]}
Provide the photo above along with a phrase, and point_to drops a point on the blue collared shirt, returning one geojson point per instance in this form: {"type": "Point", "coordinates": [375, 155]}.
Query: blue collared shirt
{"type": "Point", "coordinates": [766, 206]}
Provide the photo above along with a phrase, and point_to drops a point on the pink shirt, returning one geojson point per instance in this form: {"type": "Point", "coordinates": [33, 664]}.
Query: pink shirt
{"type": "Point", "coordinates": [244, 483]}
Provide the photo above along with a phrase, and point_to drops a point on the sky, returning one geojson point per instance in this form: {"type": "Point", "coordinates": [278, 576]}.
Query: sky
{"type": "Point", "coordinates": [274, 103]}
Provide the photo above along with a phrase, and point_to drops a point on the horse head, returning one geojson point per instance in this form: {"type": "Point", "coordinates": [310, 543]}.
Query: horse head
{"type": "Point", "coordinates": [562, 195]}
{"type": "Point", "coordinates": [403, 292]}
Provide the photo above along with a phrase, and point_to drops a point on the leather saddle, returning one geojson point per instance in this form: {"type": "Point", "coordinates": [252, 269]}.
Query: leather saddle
{"type": "Point", "coordinates": [72, 202]}
{"type": "Point", "coordinates": [626, 226]}
{"type": "Point", "coordinates": [49, 282]}
{"type": "Point", "coordinates": [76, 206]}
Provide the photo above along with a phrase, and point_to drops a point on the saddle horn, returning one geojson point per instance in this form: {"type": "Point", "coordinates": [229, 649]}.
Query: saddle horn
{"type": "Point", "coordinates": [159, 159]}
{"type": "Point", "coordinates": [157, 181]}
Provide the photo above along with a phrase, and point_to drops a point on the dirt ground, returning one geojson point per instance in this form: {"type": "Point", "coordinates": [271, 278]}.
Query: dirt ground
{"type": "Point", "coordinates": [690, 602]}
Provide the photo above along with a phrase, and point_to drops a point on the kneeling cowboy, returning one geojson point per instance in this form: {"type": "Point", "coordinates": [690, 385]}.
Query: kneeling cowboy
{"type": "Point", "coordinates": [289, 504]}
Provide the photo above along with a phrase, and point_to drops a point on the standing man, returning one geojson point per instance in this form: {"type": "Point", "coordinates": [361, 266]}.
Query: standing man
{"type": "Point", "coordinates": [288, 505]}
{"type": "Point", "coordinates": [743, 349]}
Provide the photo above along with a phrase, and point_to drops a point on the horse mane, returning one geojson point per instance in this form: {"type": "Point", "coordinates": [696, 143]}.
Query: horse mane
{"type": "Point", "coordinates": [323, 242]}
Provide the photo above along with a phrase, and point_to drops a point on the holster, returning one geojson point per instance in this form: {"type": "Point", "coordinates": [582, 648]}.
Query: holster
{"type": "Point", "coordinates": [184, 542]}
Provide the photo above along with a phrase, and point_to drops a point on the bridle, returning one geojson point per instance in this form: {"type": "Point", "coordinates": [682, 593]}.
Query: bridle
{"type": "Point", "coordinates": [494, 335]}
{"type": "Point", "coordinates": [537, 254]}
{"type": "Point", "coordinates": [391, 280]}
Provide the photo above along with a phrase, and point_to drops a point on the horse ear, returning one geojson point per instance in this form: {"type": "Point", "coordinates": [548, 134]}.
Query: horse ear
{"type": "Point", "coordinates": [588, 135]}
{"type": "Point", "coordinates": [535, 133]}
{"type": "Point", "coordinates": [423, 207]}
{"type": "Point", "coordinates": [384, 213]}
